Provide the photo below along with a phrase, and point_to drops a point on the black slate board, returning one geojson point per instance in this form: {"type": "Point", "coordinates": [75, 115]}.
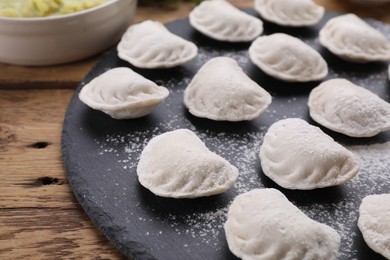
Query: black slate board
{"type": "Point", "coordinates": [101, 154]}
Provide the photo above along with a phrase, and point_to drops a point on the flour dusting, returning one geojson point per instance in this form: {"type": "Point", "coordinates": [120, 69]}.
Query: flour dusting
{"type": "Point", "coordinates": [239, 143]}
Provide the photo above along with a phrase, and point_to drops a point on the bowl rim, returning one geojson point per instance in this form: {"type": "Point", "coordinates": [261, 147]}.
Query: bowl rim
{"type": "Point", "coordinates": [59, 17]}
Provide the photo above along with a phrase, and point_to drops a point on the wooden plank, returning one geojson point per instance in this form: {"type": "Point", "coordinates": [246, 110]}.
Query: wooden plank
{"type": "Point", "coordinates": [39, 216]}
{"type": "Point", "coordinates": [59, 76]}
{"type": "Point", "coordinates": [51, 233]}
{"type": "Point", "coordinates": [30, 131]}
{"type": "Point", "coordinates": [380, 12]}
{"type": "Point", "coordinates": [31, 168]}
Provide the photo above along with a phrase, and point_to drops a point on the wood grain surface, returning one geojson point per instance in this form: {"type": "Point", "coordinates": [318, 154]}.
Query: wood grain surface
{"type": "Point", "coordinates": [39, 217]}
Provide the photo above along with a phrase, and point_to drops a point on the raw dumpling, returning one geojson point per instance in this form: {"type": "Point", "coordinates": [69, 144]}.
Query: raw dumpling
{"type": "Point", "coordinates": [219, 20]}
{"type": "Point", "coordinates": [297, 155]}
{"type": "Point", "coordinates": [290, 12]}
{"type": "Point", "coordinates": [222, 91]}
{"type": "Point", "coordinates": [122, 94]}
{"type": "Point", "coordinates": [374, 223]}
{"type": "Point", "coordinates": [287, 58]}
{"type": "Point", "coordinates": [264, 224]}
{"type": "Point", "coordinates": [341, 106]}
{"type": "Point", "coordinates": [177, 164]}
{"type": "Point", "coordinates": [150, 45]}
{"type": "Point", "coordinates": [352, 39]}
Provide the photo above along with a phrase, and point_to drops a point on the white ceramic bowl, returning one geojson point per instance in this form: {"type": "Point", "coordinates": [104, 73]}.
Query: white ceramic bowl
{"type": "Point", "coordinates": [64, 38]}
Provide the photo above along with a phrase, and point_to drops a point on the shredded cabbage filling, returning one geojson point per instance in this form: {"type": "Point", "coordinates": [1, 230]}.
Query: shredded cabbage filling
{"type": "Point", "coordinates": [42, 8]}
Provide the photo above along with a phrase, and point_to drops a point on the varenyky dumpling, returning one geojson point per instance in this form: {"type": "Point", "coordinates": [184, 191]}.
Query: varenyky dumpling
{"type": "Point", "coordinates": [352, 39]}
{"type": "Point", "coordinates": [264, 224]}
{"type": "Point", "coordinates": [374, 223]}
{"type": "Point", "coordinates": [150, 45]}
{"type": "Point", "coordinates": [222, 91]}
{"type": "Point", "coordinates": [300, 156]}
{"type": "Point", "coordinates": [290, 12]}
{"type": "Point", "coordinates": [122, 94]}
{"type": "Point", "coordinates": [220, 20]}
{"type": "Point", "coordinates": [287, 58]}
{"type": "Point", "coordinates": [344, 107]}
{"type": "Point", "coordinates": [177, 164]}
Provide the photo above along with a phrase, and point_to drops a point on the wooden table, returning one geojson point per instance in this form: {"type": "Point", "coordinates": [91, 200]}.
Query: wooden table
{"type": "Point", "coordinates": [39, 216]}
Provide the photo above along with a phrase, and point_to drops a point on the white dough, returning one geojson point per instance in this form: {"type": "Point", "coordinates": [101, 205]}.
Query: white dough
{"type": "Point", "coordinates": [344, 107]}
{"type": "Point", "coordinates": [374, 223]}
{"type": "Point", "coordinates": [264, 225]}
{"type": "Point", "coordinates": [287, 58]}
{"type": "Point", "coordinates": [122, 94]}
{"type": "Point", "coordinates": [177, 164]}
{"type": "Point", "coordinates": [297, 155]}
{"type": "Point", "coordinates": [220, 20]}
{"type": "Point", "coordinates": [352, 39]}
{"type": "Point", "coordinates": [222, 91]}
{"type": "Point", "coordinates": [290, 12]}
{"type": "Point", "coordinates": [150, 45]}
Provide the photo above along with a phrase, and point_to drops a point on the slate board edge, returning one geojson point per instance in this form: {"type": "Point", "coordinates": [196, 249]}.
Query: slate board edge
{"type": "Point", "coordinates": [132, 249]}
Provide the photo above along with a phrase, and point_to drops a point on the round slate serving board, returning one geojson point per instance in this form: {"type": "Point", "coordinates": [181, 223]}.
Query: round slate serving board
{"type": "Point", "coordinates": [101, 155]}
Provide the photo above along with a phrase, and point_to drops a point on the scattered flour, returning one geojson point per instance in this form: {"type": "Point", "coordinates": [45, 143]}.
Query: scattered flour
{"type": "Point", "coordinates": [206, 228]}
{"type": "Point", "coordinates": [207, 53]}
{"type": "Point", "coordinates": [373, 178]}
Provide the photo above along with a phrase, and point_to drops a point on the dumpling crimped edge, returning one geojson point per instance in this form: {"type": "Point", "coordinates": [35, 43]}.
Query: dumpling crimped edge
{"type": "Point", "coordinates": [209, 19]}
{"type": "Point", "coordinates": [297, 140]}
{"type": "Point", "coordinates": [352, 51]}
{"type": "Point", "coordinates": [374, 222]}
{"type": "Point", "coordinates": [264, 224]}
{"type": "Point", "coordinates": [268, 9]}
{"type": "Point", "coordinates": [122, 77]}
{"type": "Point", "coordinates": [187, 50]}
{"type": "Point", "coordinates": [317, 101]}
{"type": "Point", "coordinates": [273, 46]}
{"type": "Point", "coordinates": [187, 151]}
{"type": "Point", "coordinates": [228, 64]}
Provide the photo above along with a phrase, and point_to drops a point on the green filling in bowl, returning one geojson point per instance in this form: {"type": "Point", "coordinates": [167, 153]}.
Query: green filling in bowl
{"type": "Point", "coordinates": [43, 8]}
